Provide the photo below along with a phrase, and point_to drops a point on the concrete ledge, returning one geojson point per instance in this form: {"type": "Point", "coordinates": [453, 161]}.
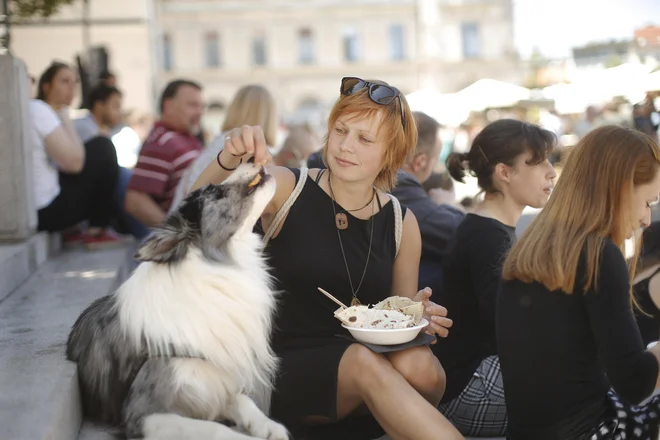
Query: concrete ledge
{"type": "Point", "coordinates": [19, 260]}
{"type": "Point", "coordinates": [91, 432]}
{"type": "Point", "coordinates": [40, 396]}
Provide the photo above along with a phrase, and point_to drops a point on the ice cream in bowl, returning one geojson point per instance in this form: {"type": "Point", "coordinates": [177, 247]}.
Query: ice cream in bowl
{"type": "Point", "coordinates": [395, 320]}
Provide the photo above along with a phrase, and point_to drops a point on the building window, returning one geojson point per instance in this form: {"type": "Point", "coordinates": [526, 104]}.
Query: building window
{"type": "Point", "coordinates": [212, 49]}
{"type": "Point", "coordinates": [351, 46]}
{"type": "Point", "coordinates": [259, 50]}
{"type": "Point", "coordinates": [397, 46]}
{"type": "Point", "coordinates": [471, 40]}
{"type": "Point", "coordinates": [306, 46]}
{"type": "Point", "coordinates": [168, 63]}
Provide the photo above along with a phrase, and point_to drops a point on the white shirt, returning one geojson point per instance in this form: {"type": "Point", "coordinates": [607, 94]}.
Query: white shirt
{"type": "Point", "coordinates": [46, 178]}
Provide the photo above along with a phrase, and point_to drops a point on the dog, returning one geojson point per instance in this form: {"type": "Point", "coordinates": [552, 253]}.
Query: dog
{"type": "Point", "coordinates": [184, 342]}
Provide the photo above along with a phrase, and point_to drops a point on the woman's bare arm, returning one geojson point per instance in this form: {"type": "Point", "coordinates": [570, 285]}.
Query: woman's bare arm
{"type": "Point", "coordinates": [406, 265]}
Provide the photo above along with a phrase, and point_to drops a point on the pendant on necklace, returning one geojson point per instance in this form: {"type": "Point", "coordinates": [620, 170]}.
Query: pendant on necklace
{"type": "Point", "coordinates": [341, 221]}
{"type": "Point", "coordinates": [355, 302]}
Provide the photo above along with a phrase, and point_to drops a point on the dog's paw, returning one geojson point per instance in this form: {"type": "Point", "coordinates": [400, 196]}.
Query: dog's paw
{"type": "Point", "coordinates": [269, 430]}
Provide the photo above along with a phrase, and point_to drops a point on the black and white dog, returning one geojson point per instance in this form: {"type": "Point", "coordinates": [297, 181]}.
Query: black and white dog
{"type": "Point", "coordinates": [184, 341]}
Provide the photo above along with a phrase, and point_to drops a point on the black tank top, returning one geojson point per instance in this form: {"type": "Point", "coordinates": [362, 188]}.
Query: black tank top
{"type": "Point", "coordinates": [648, 321]}
{"type": "Point", "coordinates": [306, 255]}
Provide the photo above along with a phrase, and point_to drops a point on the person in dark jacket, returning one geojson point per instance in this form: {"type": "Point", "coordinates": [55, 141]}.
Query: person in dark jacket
{"type": "Point", "coordinates": [437, 223]}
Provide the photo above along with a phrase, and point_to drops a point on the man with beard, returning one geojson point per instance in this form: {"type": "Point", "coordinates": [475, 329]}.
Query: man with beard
{"type": "Point", "coordinates": [104, 114]}
{"type": "Point", "coordinates": [169, 149]}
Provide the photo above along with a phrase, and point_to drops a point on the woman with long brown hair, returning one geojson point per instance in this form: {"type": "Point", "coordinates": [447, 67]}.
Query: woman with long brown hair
{"type": "Point", "coordinates": [571, 354]}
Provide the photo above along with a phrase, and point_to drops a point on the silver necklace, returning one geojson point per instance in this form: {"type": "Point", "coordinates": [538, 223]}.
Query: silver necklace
{"type": "Point", "coordinates": [355, 301]}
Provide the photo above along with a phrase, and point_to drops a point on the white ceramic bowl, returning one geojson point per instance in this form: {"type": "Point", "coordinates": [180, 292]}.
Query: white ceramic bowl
{"type": "Point", "coordinates": [386, 336]}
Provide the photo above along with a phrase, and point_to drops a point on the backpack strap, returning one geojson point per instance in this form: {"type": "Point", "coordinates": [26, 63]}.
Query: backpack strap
{"type": "Point", "coordinates": [284, 210]}
{"type": "Point", "coordinates": [398, 223]}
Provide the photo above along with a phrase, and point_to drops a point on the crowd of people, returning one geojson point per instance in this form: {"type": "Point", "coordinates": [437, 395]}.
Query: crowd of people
{"type": "Point", "coordinates": [539, 337]}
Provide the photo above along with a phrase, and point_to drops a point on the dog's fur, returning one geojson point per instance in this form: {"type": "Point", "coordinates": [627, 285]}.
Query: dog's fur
{"type": "Point", "coordinates": [184, 341]}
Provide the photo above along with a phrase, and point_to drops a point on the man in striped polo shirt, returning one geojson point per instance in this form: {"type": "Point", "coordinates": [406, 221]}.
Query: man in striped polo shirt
{"type": "Point", "coordinates": [167, 152]}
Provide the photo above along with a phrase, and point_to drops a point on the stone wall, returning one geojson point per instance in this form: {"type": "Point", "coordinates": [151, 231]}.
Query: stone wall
{"type": "Point", "coordinates": [18, 217]}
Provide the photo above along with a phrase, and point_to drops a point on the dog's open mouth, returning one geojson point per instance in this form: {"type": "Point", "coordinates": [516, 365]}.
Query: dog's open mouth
{"type": "Point", "coordinates": [258, 180]}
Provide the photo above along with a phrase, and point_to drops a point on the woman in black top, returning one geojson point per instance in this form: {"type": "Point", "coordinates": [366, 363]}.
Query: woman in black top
{"type": "Point", "coordinates": [340, 235]}
{"type": "Point", "coordinates": [510, 160]}
{"type": "Point", "coordinates": [647, 285]}
{"type": "Point", "coordinates": [572, 357]}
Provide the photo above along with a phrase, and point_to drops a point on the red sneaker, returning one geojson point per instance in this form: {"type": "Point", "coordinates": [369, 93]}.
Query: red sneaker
{"type": "Point", "coordinates": [72, 237]}
{"type": "Point", "coordinates": [103, 240]}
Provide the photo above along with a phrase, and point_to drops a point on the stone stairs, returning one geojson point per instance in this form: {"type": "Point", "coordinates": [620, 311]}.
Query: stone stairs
{"type": "Point", "coordinates": [42, 292]}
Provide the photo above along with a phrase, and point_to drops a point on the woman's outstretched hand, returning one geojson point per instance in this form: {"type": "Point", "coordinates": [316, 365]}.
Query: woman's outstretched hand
{"type": "Point", "coordinates": [247, 141]}
{"type": "Point", "coordinates": [436, 315]}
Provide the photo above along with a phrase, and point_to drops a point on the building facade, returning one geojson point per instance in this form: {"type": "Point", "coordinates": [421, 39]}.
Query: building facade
{"type": "Point", "coordinates": [123, 27]}
{"type": "Point", "coordinates": [299, 49]}
{"type": "Point", "coordinates": [647, 44]}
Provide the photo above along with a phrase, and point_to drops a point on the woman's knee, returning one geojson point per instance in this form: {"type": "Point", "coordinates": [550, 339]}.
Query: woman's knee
{"type": "Point", "coordinates": [363, 368]}
{"type": "Point", "coordinates": [101, 155]}
{"type": "Point", "coordinates": [421, 368]}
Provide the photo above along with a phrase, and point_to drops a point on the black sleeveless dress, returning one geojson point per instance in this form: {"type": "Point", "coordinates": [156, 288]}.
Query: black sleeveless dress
{"type": "Point", "coordinates": [648, 319]}
{"type": "Point", "coordinates": [306, 255]}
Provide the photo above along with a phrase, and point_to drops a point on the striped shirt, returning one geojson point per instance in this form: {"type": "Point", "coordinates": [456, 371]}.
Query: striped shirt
{"type": "Point", "coordinates": [163, 159]}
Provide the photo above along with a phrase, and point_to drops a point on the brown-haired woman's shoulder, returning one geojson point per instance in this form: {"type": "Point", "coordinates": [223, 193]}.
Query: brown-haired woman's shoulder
{"type": "Point", "coordinates": [612, 270]}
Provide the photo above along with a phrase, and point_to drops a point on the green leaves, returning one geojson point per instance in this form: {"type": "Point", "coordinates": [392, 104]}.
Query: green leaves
{"type": "Point", "coordinates": [36, 8]}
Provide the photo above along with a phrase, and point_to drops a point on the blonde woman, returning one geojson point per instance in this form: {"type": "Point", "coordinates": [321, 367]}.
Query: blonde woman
{"type": "Point", "coordinates": [252, 105]}
{"type": "Point", "coordinates": [297, 148]}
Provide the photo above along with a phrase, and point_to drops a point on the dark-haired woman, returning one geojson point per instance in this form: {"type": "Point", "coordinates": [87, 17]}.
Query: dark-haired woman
{"type": "Point", "coordinates": [72, 182]}
{"type": "Point", "coordinates": [510, 160]}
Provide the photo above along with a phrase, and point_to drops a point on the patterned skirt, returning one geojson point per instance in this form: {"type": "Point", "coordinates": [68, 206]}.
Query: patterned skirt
{"type": "Point", "coordinates": [630, 422]}
{"type": "Point", "coordinates": [480, 409]}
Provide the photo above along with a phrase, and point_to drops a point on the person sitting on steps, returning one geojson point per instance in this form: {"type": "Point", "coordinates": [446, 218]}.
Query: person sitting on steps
{"type": "Point", "coordinates": [340, 233]}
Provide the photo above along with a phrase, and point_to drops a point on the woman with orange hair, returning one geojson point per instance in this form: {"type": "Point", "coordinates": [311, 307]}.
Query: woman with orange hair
{"type": "Point", "coordinates": [342, 232]}
{"type": "Point", "coordinates": [572, 358]}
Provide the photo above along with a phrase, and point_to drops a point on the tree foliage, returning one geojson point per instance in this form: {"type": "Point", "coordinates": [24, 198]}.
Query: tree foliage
{"type": "Point", "coordinates": [36, 8]}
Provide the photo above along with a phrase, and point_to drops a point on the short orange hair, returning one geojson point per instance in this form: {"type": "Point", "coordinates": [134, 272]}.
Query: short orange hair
{"type": "Point", "coordinates": [402, 140]}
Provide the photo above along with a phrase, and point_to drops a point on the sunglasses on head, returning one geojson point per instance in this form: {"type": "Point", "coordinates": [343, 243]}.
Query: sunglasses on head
{"type": "Point", "coordinates": [379, 93]}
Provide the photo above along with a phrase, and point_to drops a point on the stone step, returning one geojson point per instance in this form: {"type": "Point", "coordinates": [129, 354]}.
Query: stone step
{"type": "Point", "coordinates": [91, 432]}
{"type": "Point", "coordinates": [40, 396]}
{"type": "Point", "coordinates": [19, 260]}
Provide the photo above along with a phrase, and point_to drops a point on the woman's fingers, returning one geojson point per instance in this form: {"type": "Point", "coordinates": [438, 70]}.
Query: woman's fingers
{"type": "Point", "coordinates": [433, 309]}
{"type": "Point", "coordinates": [423, 295]}
{"type": "Point", "coordinates": [234, 143]}
{"type": "Point", "coordinates": [249, 141]}
{"type": "Point", "coordinates": [247, 136]}
{"type": "Point", "coordinates": [440, 329]}
{"type": "Point", "coordinates": [261, 153]}
{"type": "Point", "coordinates": [439, 325]}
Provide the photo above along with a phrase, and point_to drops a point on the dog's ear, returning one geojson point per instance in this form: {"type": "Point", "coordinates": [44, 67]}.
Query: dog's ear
{"type": "Point", "coordinates": [165, 245]}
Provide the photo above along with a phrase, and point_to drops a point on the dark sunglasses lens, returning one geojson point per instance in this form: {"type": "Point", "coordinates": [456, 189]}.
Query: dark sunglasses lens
{"type": "Point", "coordinates": [382, 94]}
{"type": "Point", "coordinates": [351, 85]}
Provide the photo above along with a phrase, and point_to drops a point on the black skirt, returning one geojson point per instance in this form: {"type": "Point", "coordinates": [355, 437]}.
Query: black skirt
{"type": "Point", "coordinates": [307, 386]}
